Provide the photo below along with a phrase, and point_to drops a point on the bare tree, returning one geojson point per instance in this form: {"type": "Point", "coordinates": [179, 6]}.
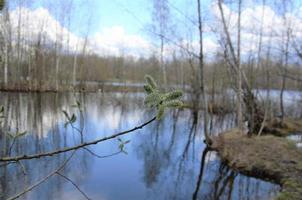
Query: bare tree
{"type": "Point", "coordinates": [254, 114]}
{"type": "Point", "coordinates": [6, 35]}
{"type": "Point", "coordinates": [201, 68]}
{"type": "Point", "coordinates": [239, 93]}
{"type": "Point", "coordinates": [161, 18]}
{"type": "Point", "coordinates": [286, 39]}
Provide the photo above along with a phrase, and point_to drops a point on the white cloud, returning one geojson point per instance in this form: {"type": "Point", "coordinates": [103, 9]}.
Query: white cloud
{"type": "Point", "coordinates": [109, 41]}
{"type": "Point", "coordinates": [273, 25]}
{"type": "Point", "coordinates": [40, 23]}
{"type": "Point", "coordinates": [115, 41]}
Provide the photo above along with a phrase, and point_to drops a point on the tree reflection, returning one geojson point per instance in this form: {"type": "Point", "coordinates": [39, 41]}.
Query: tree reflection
{"type": "Point", "coordinates": [41, 117]}
{"type": "Point", "coordinates": [163, 156]}
{"type": "Point", "coordinates": [199, 179]}
{"type": "Point", "coordinates": [178, 172]}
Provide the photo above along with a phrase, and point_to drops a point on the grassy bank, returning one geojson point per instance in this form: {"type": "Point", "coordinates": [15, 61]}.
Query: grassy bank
{"type": "Point", "coordinates": [268, 157]}
{"type": "Point", "coordinates": [284, 128]}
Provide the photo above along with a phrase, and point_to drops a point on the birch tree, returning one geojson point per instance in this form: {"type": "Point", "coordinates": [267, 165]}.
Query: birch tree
{"type": "Point", "coordinates": [239, 93]}
{"type": "Point", "coordinates": [6, 36]}
{"type": "Point", "coordinates": [254, 114]}
{"type": "Point", "coordinates": [286, 40]}
{"type": "Point", "coordinates": [201, 69]}
{"type": "Point", "coordinates": [160, 26]}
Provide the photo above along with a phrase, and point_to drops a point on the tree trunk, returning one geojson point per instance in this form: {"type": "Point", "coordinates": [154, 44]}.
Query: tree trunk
{"type": "Point", "coordinates": [6, 65]}
{"type": "Point", "coordinates": [162, 64]}
{"type": "Point", "coordinates": [57, 72]}
{"type": "Point", "coordinates": [253, 113]}
{"type": "Point", "coordinates": [74, 71]}
{"type": "Point", "coordinates": [239, 82]}
{"type": "Point", "coordinates": [202, 82]}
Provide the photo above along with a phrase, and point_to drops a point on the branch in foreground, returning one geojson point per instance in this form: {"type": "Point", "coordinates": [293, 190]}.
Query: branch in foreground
{"type": "Point", "coordinates": [98, 156]}
{"type": "Point", "coordinates": [74, 184]}
{"type": "Point", "coordinates": [39, 155]}
{"type": "Point", "coordinates": [43, 179]}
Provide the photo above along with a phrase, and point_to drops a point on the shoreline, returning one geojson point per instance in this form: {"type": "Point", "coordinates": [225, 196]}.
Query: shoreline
{"type": "Point", "coordinates": [268, 157]}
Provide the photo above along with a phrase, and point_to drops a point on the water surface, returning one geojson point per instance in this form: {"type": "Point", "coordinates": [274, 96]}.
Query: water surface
{"type": "Point", "coordinates": [162, 162]}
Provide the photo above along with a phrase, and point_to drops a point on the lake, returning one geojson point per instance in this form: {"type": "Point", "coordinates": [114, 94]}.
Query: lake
{"type": "Point", "coordinates": [161, 161]}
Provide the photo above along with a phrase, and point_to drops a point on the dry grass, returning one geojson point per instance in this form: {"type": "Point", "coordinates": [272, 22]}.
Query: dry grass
{"type": "Point", "coordinates": [284, 128]}
{"type": "Point", "coordinates": [267, 157]}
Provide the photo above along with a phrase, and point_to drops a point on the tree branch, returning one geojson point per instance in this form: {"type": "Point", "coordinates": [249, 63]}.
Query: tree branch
{"type": "Point", "coordinates": [98, 156]}
{"type": "Point", "coordinates": [43, 179]}
{"type": "Point", "coordinates": [74, 184]}
{"type": "Point", "coordinates": [39, 155]}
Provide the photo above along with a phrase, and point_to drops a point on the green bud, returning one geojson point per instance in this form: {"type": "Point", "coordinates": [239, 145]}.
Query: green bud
{"type": "Point", "coordinates": [160, 112]}
{"type": "Point", "coordinates": [151, 81]}
{"type": "Point", "coordinates": [148, 89]}
{"type": "Point", "coordinates": [153, 99]}
{"type": "Point", "coordinates": [174, 104]}
{"type": "Point", "coordinates": [173, 95]}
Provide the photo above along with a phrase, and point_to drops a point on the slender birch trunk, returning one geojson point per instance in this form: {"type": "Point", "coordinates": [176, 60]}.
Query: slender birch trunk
{"type": "Point", "coordinates": [239, 92]}
{"type": "Point", "coordinates": [202, 82]}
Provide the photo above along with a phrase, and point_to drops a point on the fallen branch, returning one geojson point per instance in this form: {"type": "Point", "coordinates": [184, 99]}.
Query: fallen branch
{"type": "Point", "coordinates": [52, 153]}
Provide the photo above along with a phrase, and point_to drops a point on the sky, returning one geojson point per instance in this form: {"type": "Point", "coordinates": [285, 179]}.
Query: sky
{"type": "Point", "coordinates": [102, 13]}
{"type": "Point", "coordinates": [116, 27]}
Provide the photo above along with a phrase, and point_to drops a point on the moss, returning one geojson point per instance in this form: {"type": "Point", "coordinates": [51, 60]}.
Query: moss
{"type": "Point", "coordinates": [291, 184]}
{"type": "Point", "coordinates": [285, 196]}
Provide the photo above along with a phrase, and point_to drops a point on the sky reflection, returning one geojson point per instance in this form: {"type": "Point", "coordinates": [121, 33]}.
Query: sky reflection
{"type": "Point", "coordinates": [162, 160]}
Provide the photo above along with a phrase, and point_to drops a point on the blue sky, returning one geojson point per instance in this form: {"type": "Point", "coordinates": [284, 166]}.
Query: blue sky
{"type": "Point", "coordinates": [105, 13]}
{"type": "Point", "coordinates": [133, 15]}
{"type": "Point", "coordinates": [119, 25]}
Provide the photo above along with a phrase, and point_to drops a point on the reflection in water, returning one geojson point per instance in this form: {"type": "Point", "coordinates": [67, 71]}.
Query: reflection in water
{"type": "Point", "coordinates": [163, 160]}
{"type": "Point", "coordinates": [297, 138]}
{"type": "Point", "coordinates": [199, 179]}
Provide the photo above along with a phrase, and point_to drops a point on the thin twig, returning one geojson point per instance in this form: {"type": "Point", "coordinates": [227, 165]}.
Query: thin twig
{"type": "Point", "coordinates": [11, 146]}
{"type": "Point", "coordinates": [39, 155]}
{"type": "Point", "coordinates": [263, 123]}
{"type": "Point", "coordinates": [22, 167]}
{"type": "Point", "coordinates": [28, 189]}
{"type": "Point", "coordinates": [74, 184]}
{"type": "Point", "coordinates": [98, 156]}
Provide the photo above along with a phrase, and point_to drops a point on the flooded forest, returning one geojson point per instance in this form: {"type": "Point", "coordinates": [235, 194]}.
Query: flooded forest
{"type": "Point", "coordinates": [151, 99]}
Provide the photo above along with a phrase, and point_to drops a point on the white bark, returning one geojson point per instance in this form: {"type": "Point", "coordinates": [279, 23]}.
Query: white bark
{"type": "Point", "coordinates": [239, 95]}
{"type": "Point", "coordinates": [202, 82]}
{"type": "Point", "coordinates": [74, 70]}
